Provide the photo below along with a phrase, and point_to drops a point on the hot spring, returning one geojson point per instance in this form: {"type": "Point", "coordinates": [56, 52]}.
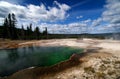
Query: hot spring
{"type": "Point", "coordinates": [13, 60]}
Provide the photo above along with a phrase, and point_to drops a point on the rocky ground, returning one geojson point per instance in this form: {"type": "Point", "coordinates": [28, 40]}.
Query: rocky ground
{"type": "Point", "coordinates": [95, 68]}
{"type": "Point", "coordinates": [100, 60]}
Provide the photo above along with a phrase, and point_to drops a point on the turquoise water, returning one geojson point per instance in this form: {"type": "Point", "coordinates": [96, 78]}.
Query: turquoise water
{"type": "Point", "coordinates": [12, 60]}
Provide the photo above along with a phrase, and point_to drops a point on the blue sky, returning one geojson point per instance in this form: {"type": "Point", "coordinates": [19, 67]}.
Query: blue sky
{"type": "Point", "coordinates": [65, 16]}
{"type": "Point", "coordinates": [78, 8]}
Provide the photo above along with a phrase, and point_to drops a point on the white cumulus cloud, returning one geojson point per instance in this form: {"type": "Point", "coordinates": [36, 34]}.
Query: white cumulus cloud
{"type": "Point", "coordinates": [110, 18]}
{"type": "Point", "coordinates": [35, 13]}
{"type": "Point", "coordinates": [96, 22]}
{"type": "Point", "coordinates": [112, 13]}
{"type": "Point", "coordinates": [72, 28]}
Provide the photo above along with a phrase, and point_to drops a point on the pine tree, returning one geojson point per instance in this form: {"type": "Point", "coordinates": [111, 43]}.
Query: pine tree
{"type": "Point", "coordinates": [22, 33]}
{"type": "Point", "coordinates": [6, 33]}
{"type": "Point", "coordinates": [30, 31]}
{"type": "Point", "coordinates": [27, 33]}
{"type": "Point", "coordinates": [31, 27]}
{"type": "Point", "coordinates": [9, 20]}
{"type": "Point", "coordinates": [37, 33]}
{"type": "Point", "coordinates": [10, 26]}
{"type": "Point", "coordinates": [14, 22]}
{"type": "Point", "coordinates": [45, 32]}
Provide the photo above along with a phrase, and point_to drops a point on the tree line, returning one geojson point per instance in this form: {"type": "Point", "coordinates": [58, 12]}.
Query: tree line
{"type": "Point", "coordinates": [10, 31]}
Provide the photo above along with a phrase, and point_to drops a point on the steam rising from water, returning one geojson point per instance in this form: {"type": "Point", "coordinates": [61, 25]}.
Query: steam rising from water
{"type": "Point", "coordinates": [114, 36]}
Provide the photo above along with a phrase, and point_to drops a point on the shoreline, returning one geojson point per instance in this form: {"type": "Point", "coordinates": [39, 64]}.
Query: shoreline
{"type": "Point", "coordinates": [73, 61]}
{"type": "Point", "coordinates": [94, 50]}
{"type": "Point", "coordinates": [110, 46]}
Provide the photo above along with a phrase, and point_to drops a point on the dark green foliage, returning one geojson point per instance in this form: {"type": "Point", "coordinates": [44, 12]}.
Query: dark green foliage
{"type": "Point", "coordinates": [6, 33]}
{"type": "Point", "coordinates": [37, 33]}
{"type": "Point", "coordinates": [14, 22]}
{"type": "Point", "coordinates": [10, 26]}
{"type": "Point", "coordinates": [9, 30]}
{"type": "Point", "coordinates": [45, 33]}
{"type": "Point", "coordinates": [22, 33]}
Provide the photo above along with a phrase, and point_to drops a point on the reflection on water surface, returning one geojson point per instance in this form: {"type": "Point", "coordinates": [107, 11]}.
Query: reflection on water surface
{"type": "Point", "coordinates": [12, 60]}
